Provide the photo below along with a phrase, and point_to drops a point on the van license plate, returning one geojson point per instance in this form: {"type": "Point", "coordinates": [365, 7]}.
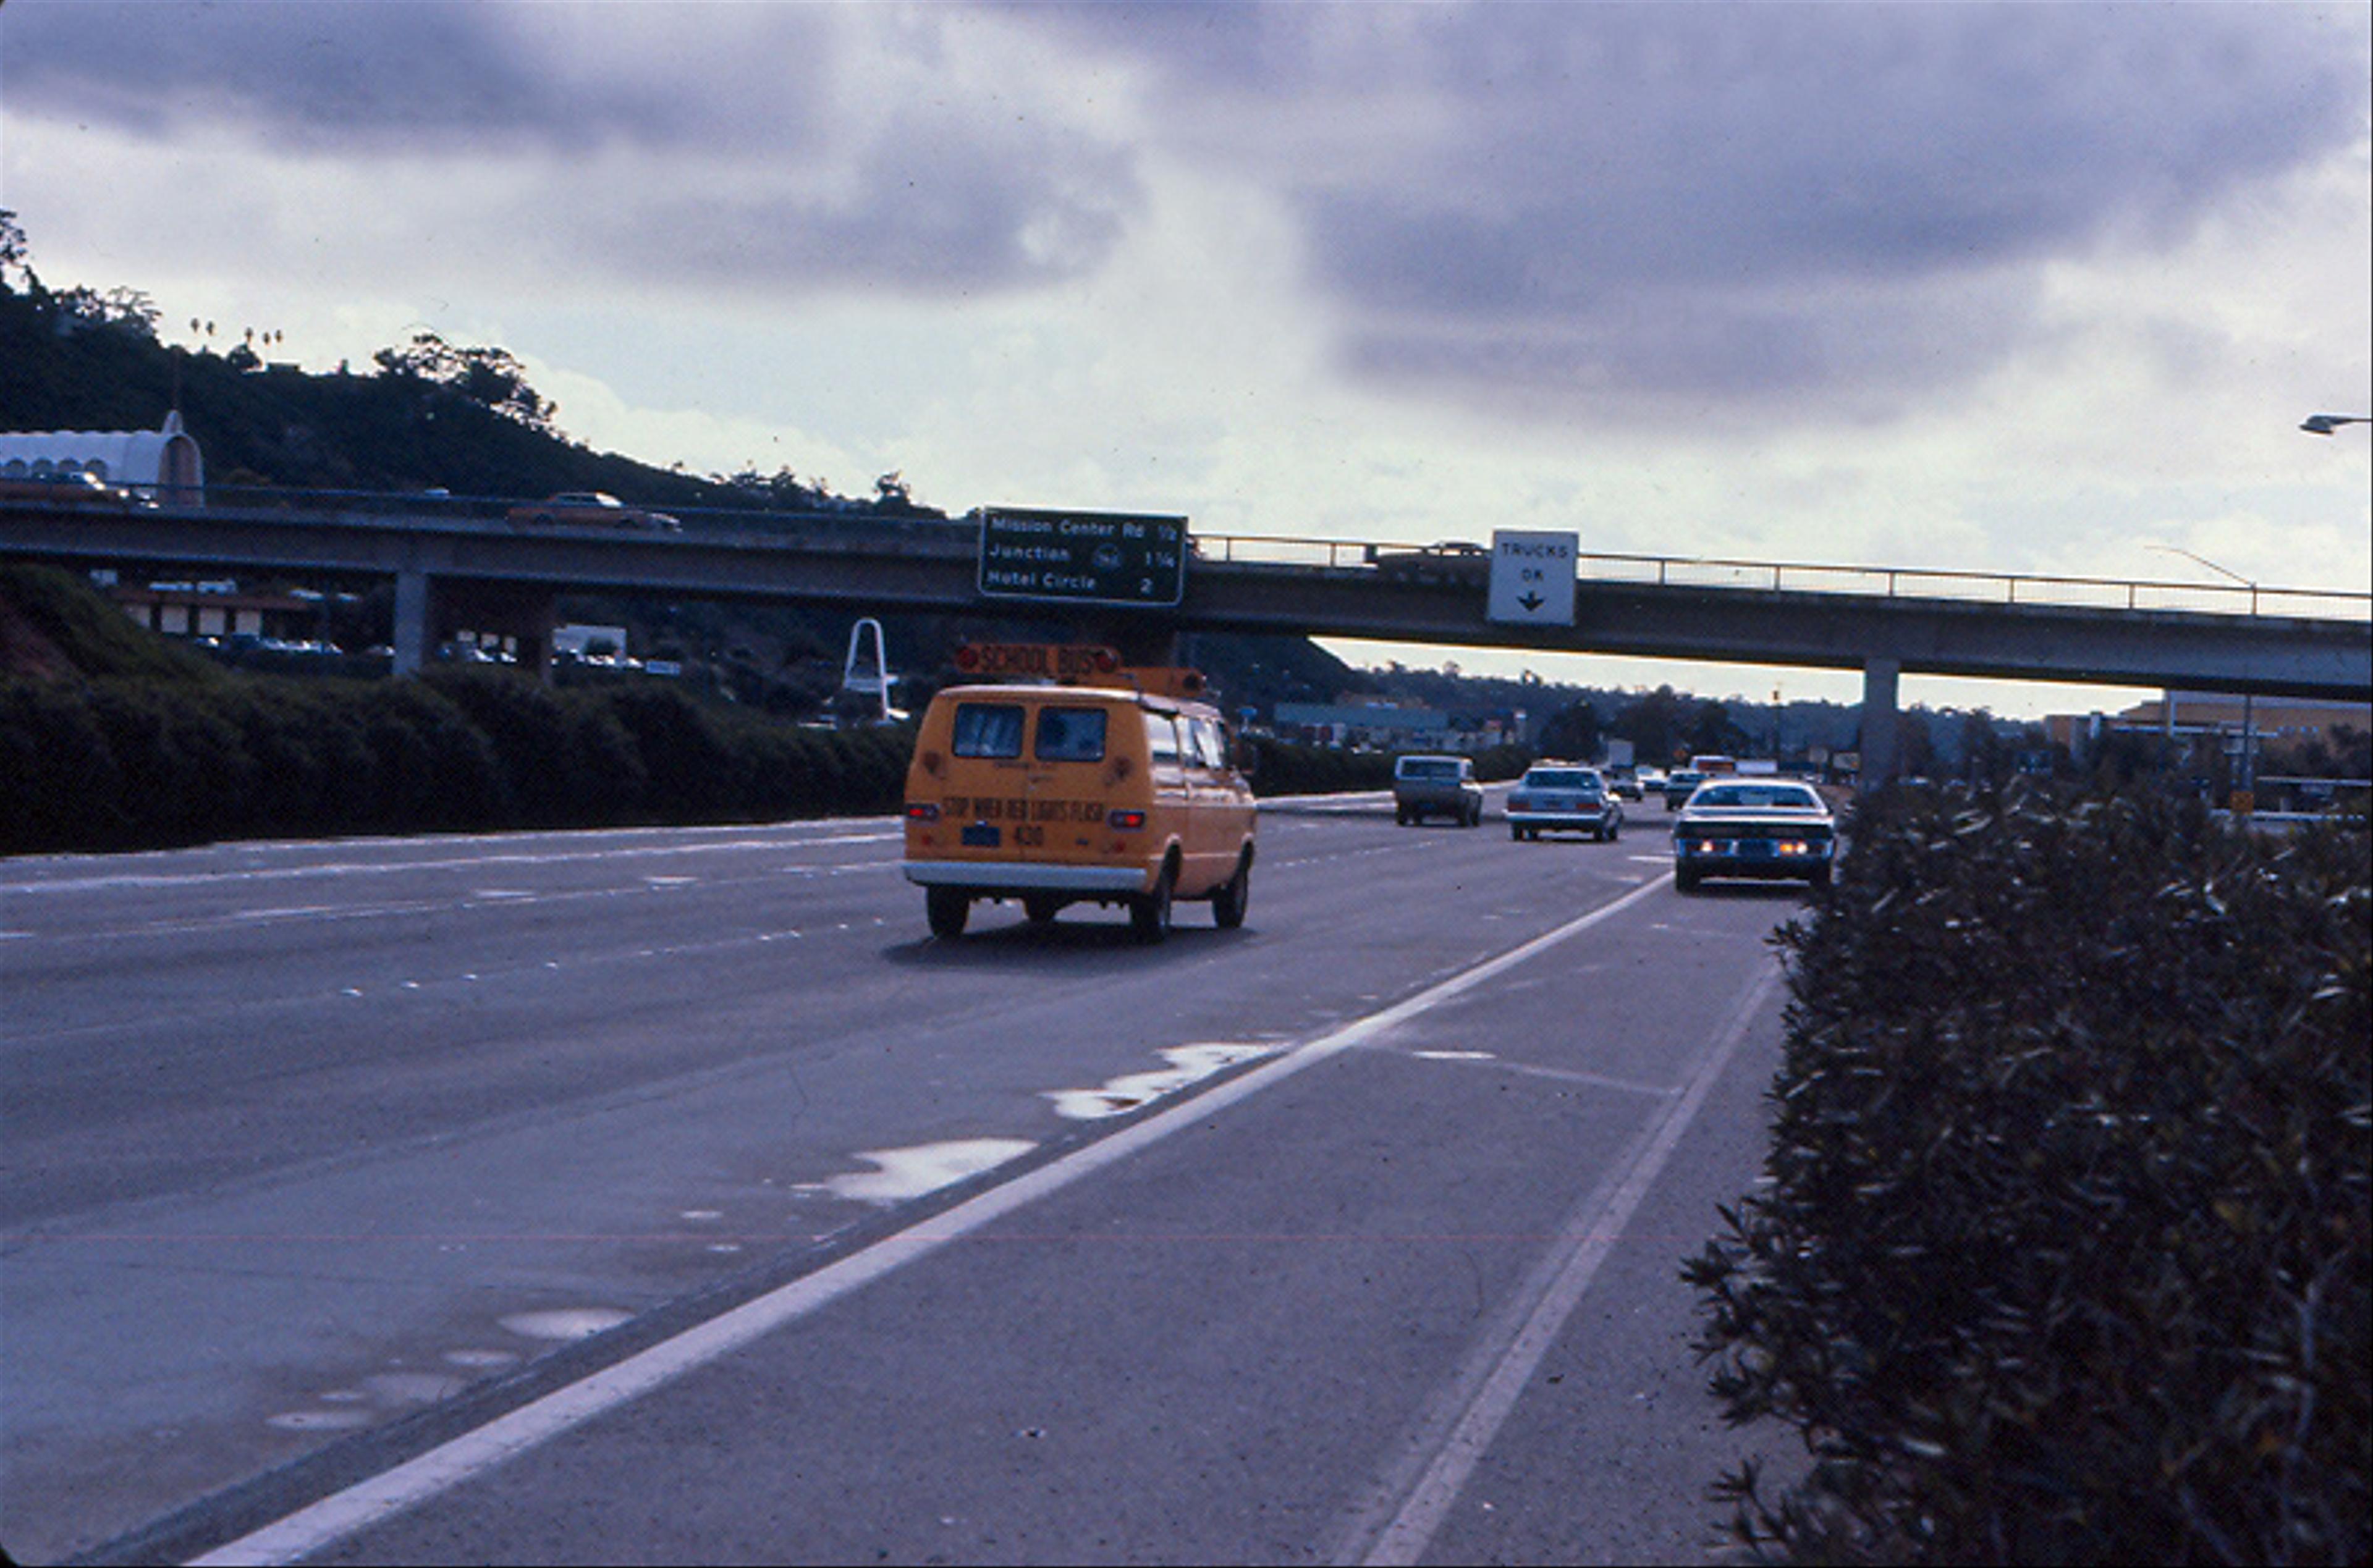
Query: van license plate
{"type": "Point", "coordinates": [981, 835]}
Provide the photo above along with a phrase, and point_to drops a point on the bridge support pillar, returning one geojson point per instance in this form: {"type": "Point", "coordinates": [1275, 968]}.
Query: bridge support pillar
{"type": "Point", "coordinates": [1879, 677]}
{"type": "Point", "coordinates": [519, 617]}
{"type": "Point", "coordinates": [416, 620]}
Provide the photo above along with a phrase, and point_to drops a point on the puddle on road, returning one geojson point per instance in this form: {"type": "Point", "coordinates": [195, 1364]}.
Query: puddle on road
{"type": "Point", "coordinates": [565, 1323]}
{"type": "Point", "coordinates": [481, 1359]}
{"type": "Point", "coordinates": [909, 1173]}
{"type": "Point", "coordinates": [1189, 1063]}
{"type": "Point", "coordinates": [413, 1388]}
{"type": "Point", "coordinates": [318, 1421]}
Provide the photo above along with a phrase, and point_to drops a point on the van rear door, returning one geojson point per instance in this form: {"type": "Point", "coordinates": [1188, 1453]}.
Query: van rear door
{"type": "Point", "coordinates": [987, 777]}
{"type": "Point", "coordinates": [1069, 779]}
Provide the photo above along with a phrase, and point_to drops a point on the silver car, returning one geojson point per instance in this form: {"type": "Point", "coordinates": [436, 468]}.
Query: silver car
{"type": "Point", "coordinates": [1559, 797]}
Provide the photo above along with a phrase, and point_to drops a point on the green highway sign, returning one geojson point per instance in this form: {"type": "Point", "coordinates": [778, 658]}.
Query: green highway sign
{"type": "Point", "coordinates": [1082, 557]}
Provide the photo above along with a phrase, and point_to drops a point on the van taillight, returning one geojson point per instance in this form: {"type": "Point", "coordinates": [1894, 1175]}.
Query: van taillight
{"type": "Point", "coordinates": [1126, 821]}
{"type": "Point", "coordinates": [922, 811]}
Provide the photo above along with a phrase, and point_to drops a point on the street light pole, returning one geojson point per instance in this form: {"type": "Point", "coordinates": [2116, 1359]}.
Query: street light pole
{"type": "Point", "coordinates": [2248, 726]}
{"type": "Point", "coordinates": [2325, 424]}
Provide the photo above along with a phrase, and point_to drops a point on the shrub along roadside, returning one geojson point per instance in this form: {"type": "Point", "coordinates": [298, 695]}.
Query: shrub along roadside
{"type": "Point", "coordinates": [1283, 767]}
{"type": "Point", "coordinates": [2063, 1253]}
{"type": "Point", "coordinates": [127, 763]}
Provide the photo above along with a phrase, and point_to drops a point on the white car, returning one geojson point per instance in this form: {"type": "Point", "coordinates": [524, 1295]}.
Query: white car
{"type": "Point", "coordinates": [1556, 796]}
{"type": "Point", "coordinates": [1762, 828]}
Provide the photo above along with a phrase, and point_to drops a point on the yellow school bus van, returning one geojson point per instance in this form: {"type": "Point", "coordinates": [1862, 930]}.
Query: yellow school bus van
{"type": "Point", "coordinates": [1053, 796]}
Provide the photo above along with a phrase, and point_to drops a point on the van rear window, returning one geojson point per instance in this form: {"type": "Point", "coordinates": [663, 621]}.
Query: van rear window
{"type": "Point", "coordinates": [1071, 734]}
{"type": "Point", "coordinates": [988, 729]}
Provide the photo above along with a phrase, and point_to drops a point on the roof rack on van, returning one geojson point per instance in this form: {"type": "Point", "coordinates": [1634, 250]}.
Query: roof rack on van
{"type": "Point", "coordinates": [1066, 664]}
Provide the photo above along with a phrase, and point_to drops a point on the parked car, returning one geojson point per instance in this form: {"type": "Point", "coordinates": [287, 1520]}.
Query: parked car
{"type": "Point", "coordinates": [1560, 797]}
{"type": "Point", "coordinates": [1060, 795]}
{"type": "Point", "coordinates": [1436, 786]}
{"type": "Point", "coordinates": [1759, 828]}
{"type": "Point", "coordinates": [589, 507]}
{"type": "Point", "coordinates": [1678, 785]}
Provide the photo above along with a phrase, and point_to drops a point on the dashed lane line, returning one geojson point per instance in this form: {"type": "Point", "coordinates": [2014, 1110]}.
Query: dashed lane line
{"type": "Point", "coordinates": [475, 1453]}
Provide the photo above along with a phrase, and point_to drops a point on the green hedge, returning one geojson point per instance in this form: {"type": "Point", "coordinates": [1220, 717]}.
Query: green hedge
{"type": "Point", "coordinates": [139, 762]}
{"type": "Point", "coordinates": [1284, 767]}
{"type": "Point", "coordinates": [2062, 1255]}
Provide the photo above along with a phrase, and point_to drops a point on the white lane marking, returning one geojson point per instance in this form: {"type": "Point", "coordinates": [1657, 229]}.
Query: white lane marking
{"type": "Point", "coordinates": [901, 1174]}
{"type": "Point", "coordinates": [1416, 1495]}
{"type": "Point", "coordinates": [472, 1454]}
{"type": "Point", "coordinates": [1558, 1074]}
{"type": "Point", "coordinates": [1188, 1064]}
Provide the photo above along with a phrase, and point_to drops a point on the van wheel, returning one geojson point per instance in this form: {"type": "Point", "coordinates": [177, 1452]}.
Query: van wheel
{"type": "Point", "coordinates": [1041, 907]}
{"type": "Point", "coordinates": [1515, 832]}
{"type": "Point", "coordinates": [1229, 903]}
{"type": "Point", "coordinates": [1615, 829]}
{"type": "Point", "coordinates": [948, 908]}
{"type": "Point", "coordinates": [1149, 913]}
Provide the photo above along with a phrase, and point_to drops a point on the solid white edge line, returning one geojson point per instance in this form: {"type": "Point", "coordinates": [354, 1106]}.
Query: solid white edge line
{"type": "Point", "coordinates": [1495, 1380]}
{"type": "Point", "coordinates": [382, 1496]}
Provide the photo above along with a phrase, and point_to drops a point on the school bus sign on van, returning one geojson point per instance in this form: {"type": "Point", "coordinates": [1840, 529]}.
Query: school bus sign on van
{"type": "Point", "coordinates": [1072, 664]}
{"type": "Point", "coordinates": [1082, 557]}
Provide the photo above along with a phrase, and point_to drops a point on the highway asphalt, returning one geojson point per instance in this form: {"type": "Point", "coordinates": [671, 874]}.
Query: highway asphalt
{"type": "Point", "coordinates": [672, 1196]}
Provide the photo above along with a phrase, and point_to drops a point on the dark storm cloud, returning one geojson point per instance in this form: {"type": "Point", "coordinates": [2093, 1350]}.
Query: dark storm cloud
{"type": "Point", "coordinates": [1818, 207]}
{"type": "Point", "coordinates": [376, 75]}
{"type": "Point", "coordinates": [745, 165]}
{"type": "Point", "coordinates": [1660, 200]}
{"type": "Point", "coordinates": [936, 203]}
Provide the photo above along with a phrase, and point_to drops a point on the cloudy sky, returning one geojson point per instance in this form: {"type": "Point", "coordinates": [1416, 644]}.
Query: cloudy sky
{"type": "Point", "coordinates": [1994, 288]}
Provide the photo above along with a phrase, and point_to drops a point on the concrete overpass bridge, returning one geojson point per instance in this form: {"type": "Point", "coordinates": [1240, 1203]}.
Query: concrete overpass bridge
{"type": "Point", "coordinates": [454, 566]}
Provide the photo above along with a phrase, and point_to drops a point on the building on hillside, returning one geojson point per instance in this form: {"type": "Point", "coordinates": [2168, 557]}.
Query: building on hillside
{"type": "Point", "coordinates": [163, 464]}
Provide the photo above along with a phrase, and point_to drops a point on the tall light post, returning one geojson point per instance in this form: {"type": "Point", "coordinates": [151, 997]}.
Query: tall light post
{"type": "Point", "coordinates": [2248, 726]}
{"type": "Point", "coordinates": [2325, 424]}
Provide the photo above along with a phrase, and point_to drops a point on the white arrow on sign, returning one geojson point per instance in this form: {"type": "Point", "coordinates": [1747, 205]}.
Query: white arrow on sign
{"type": "Point", "coordinates": [1532, 577]}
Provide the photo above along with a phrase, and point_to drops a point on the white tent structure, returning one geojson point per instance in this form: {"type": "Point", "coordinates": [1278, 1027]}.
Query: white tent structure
{"type": "Point", "coordinates": [164, 463]}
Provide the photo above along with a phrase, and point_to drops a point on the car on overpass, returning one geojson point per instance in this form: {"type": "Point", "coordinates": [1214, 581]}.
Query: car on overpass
{"type": "Point", "coordinates": [594, 508]}
{"type": "Point", "coordinates": [1453, 561]}
{"type": "Point", "coordinates": [1768, 829]}
{"type": "Point", "coordinates": [68, 487]}
{"type": "Point", "coordinates": [1560, 797]}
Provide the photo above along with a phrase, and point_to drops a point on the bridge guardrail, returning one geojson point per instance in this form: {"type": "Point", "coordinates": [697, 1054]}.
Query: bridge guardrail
{"type": "Point", "coordinates": [1664, 571]}
{"type": "Point", "coordinates": [1882, 582]}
